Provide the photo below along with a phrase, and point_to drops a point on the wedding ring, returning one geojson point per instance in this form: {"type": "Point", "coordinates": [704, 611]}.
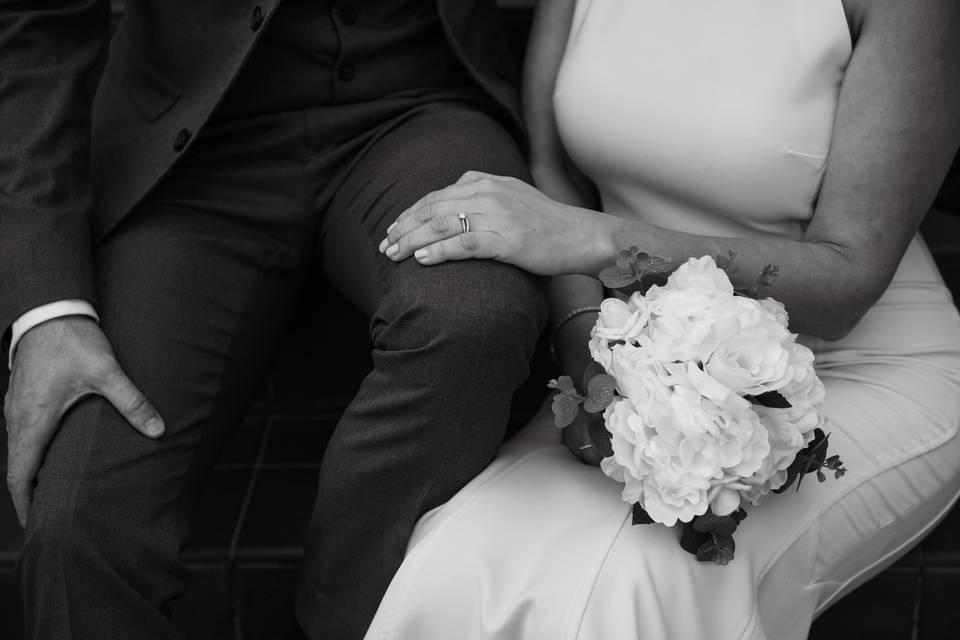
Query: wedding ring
{"type": "Point", "coordinates": [464, 222]}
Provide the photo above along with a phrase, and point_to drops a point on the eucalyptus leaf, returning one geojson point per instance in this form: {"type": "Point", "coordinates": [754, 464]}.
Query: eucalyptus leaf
{"type": "Point", "coordinates": [564, 384]}
{"type": "Point", "coordinates": [616, 278]}
{"type": "Point", "coordinates": [601, 391]}
{"type": "Point", "coordinates": [691, 540]}
{"type": "Point", "coordinates": [712, 523]}
{"type": "Point", "coordinates": [565, 410]}
{"type": "Point", "coordinates": [718, 550]}
{"type": "Point", "coordinates": [625, 260]}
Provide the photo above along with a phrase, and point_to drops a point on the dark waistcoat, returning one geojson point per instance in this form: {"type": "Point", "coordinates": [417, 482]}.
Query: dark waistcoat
{"type": "Point", "coordinates": [171, 63]}
{"type": "Point", "coordinates": [315, 53]}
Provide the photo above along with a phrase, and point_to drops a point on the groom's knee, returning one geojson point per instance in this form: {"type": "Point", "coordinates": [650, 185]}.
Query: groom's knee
{"type": "Point", "coordinates": [93, 519]}
{"type": "Point", "coordinates": [481, 308]}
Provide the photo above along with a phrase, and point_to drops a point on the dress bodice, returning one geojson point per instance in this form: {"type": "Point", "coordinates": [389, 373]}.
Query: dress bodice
{"type": "Point", "coordinates": [707, 117]}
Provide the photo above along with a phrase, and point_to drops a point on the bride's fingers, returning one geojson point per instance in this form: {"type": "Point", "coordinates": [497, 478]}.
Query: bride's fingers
{"type": "Point", "coordinates": [426, 207]}
{"type": "Point", "coordinates": [472, 190]}
{"type": "Point", "coordinates": [463, 246]}
{"type": "Point", "coordinates": [431, 216]}
{"type": "Point", "coordinates": [474, 176]}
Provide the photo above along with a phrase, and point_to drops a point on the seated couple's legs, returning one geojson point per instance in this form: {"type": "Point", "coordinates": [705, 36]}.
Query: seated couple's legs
{"type": "Point", "coordinates": [451, 344]}
{"type": "Point", "coordinates": [194, 286]}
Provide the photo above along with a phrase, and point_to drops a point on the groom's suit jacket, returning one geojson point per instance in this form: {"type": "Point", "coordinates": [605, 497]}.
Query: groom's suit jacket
{"type": "Point", "coordinates": [80, 147]}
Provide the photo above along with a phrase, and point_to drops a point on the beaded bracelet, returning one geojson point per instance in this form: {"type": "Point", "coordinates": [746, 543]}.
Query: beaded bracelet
{"type": "Point", "coordinates": [573, 313]}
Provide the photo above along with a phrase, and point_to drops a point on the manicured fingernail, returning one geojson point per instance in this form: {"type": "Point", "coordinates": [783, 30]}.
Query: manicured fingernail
{"type": "Point", "coordinates": [420, 254]}
{"type": "Point", "coordinates": [154, 426]}
{"type": "Point", "coordinates": [383, 245]}
{"type": "Point", "coordinates": [392, 250]}
{"type": "Point", "coordinates": [390, 228]}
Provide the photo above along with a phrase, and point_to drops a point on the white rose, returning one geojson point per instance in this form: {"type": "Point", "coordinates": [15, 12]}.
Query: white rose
{"type": "Point", "coordinates": [619, 320]}
{"type": "Point", "coordinates": [680, 325]}
{"type": "Point", "coordinates": [753, 350]}
{"type": "Point", "coordinates": [701, 274]}
{"type": "Point", "coordinates": [791, 429]}
{"type": "Point", "coordinates": [776, 309]}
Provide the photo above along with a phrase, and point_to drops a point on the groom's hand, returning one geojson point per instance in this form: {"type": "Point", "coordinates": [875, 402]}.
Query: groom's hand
{"type": "Point", "coordinates": [56, 364]}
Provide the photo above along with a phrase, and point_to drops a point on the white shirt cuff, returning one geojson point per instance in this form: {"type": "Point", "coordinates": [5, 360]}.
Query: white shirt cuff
{"type": "Point", "coordinates": [44, 313]}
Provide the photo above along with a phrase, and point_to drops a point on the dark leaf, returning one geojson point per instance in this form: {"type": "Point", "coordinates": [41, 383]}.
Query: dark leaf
{"type": "Point", "coordinates": [601, 391]}
{"type": "Point", "coordinates": [691, 540]}
{"type": "Point", "coordinates": [640, 516]}
{"type": "Point", "coordinates": [565, 410]}
{"type": "Point", "coordinates": [711, 523]}
{"type": "Point", "coordinates": [718, 550]}
{"type": "Point", "coordinates": [771, 399]}
{"type": "Point", "coordinates": [651, 278]}
{"type": "Point", "coordinates": [792, 475]}
{"type": "Point", "coordinates": [817, 449]}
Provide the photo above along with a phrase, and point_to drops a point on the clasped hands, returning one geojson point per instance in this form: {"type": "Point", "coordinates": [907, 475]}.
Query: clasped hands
{"type": "Point", "coordinates": [510, 221]}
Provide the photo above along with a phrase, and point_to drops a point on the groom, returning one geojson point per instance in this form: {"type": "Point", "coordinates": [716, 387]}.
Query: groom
{"type": "Point", "coordinates": [156, 231]}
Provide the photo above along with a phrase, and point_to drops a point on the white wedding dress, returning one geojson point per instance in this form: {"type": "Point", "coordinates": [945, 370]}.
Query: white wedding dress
{"type": "Point", "coordinates": [715, 118]}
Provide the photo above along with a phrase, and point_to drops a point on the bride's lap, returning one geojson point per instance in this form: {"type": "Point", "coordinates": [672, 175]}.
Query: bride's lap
{"type": "Point", "coordinates": [541, 546]}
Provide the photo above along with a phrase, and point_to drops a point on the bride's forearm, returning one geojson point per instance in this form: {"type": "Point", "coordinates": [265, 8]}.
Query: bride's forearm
{"type": "Point", "coordinates": [825, 287]}
{"type": "Point", "coordinates": [573, 299]}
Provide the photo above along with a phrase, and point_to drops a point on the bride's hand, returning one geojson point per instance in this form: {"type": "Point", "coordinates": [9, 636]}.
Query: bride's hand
{"type": "Point", "coordinates": [588, 439]}
{"type": "Point", "coordinates": [509, 221]}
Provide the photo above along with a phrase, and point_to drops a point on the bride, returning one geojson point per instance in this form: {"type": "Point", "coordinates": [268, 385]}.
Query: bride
{"type": "Point", "coordinates": [810, 134]}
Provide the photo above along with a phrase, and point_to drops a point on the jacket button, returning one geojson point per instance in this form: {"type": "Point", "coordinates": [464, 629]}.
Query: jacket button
{"type": "Point", "coordinates": [346, 72]}
{"type": "Point", "coordinates": [257, 18]}
{"type": "Point", "coordinates": [348, 15]}
{"type": "Point", "coordinates": [182, 139]}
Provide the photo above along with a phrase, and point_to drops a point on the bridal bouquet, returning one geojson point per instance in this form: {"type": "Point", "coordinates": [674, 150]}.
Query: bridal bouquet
{"type": "Point", "coordinates": [708, 400]}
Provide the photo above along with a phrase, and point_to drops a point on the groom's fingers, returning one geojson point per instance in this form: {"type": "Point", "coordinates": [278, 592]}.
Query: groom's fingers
{"type": "Point", "coordinates": [27, 442]}
{"type": "Point", "coordinates": [132, 404]}
{"type": "Point", "coordinates": [463, 246]}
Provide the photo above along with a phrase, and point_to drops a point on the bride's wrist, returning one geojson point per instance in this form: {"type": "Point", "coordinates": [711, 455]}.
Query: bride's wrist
{"type": "Point", "coordinates": [600, 242]}
{"type": "Point", "coordinates": [570, 344]}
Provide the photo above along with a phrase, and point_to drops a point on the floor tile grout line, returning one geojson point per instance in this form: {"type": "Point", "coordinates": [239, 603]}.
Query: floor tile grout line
{"type": "Point", "coordinates": [918, 596]}
{"type": "Point", "coordinates": [235, 538]}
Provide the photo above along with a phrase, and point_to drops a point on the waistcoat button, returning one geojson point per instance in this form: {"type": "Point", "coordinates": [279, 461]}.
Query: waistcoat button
{"type": "Point", "coordinates": [348, 15]}
{"type": "Point", "coordinates": [257, 18]}
{"type": "Point", "coordinates": [346, 72]}
{"type": "Point", "coordinates": [182, 139]}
